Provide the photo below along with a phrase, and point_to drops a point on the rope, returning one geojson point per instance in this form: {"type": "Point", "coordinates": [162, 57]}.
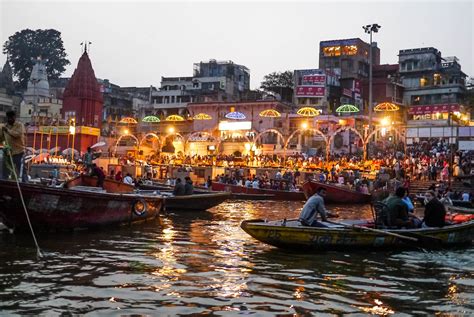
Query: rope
{"type": "Point", "coordinates": [38, 250]}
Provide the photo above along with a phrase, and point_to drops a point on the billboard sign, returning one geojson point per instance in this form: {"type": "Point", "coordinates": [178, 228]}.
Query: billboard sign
{"type": "Point", "coordinates": [314, 80]}
{"type": "Point", "coordinates": [310, 91]}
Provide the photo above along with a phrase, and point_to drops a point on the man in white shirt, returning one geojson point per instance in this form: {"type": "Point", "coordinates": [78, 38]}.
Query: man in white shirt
{"type": "Point", "coordinates": [128, 179]}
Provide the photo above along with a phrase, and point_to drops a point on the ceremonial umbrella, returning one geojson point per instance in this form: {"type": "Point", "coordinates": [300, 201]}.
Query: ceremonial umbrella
{"type": "Point", "coordinates": [270, 113]}
{"type": "Point", "coordinates": [128, 120]}
{"type": "Point", "coordinates": [235, 115]}
{"type": "Point", "coordinates": [347, 109]}
{"type": "Point", "coordinates": [174, 117]}
{"type": "Point", "coordinates": [308, 112]}
{"type": "Point", "coordinates": [202, 116]}
{"type": "Point", "coordinates": [386, 106]}
{"type": "Point", "coordinates": [151, 119]}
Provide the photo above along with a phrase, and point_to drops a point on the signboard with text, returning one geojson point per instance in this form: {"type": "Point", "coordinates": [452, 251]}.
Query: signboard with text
{"type": "Point", "coordinates": [314, 80]}
{"type": "Point", "coordinates": [310, 91]}
{"type": "Point", "coordinates": [430, 109]}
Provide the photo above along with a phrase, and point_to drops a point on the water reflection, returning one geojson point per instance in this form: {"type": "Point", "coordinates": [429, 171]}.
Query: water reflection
{"type": "Point", "coordinates": [203, 263]}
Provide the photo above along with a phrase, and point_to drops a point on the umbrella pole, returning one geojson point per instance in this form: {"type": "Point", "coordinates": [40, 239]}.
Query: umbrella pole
{"type": "Point", "coordinates": [34, 134]}
{"type": "Point", "coordinates": [57, 135]}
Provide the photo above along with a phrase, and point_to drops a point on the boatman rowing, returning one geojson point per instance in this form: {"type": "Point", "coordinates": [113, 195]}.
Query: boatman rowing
{"type": "Point", "coordinates": [313, 207]}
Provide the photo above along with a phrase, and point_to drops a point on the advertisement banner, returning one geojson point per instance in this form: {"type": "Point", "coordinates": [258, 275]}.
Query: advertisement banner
{"type": "Point", "coordinates": [430, 109]}
{"type": "Point", "coordinates": [310, 91]}
{"type": "Point", "coordinates": [314, 80]}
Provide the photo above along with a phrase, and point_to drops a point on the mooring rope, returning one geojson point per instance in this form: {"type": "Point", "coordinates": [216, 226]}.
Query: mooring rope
{"type": "Point", "coordinates": [38, 250]}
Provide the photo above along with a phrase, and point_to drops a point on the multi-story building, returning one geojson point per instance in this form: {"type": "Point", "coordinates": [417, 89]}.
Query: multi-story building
{"type": "Point", "coordinates": [434, 90]}
{"type": "Point", "coordinates": [350, 59]}
{"type": "Point", "coordinates": [213, 81]}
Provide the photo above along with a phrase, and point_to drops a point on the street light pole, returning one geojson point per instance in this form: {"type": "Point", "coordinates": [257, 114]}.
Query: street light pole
{"type": "Point", "coordinates": [369, 29]}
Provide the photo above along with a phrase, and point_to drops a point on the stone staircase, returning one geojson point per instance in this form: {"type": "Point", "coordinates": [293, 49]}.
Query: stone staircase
{"type": "Point", "coordinates": [421, 186]}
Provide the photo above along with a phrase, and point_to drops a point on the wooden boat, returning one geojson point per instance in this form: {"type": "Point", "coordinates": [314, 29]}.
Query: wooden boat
{"type": "Point", "coordinates": [195, 202]}
{"type": "Point", "coordinates": [461, 210]}
{"type": "Point", "coordinates": [242, 196]}
{"type": "Point", "coordinates": [63, 208]}
{"type": "Point", "coordinates": [201, 200]}
{"type": "Point", "coordinates": [462, 203]}
{"type": "Point", "coordinates": [336, 194]}
{"type": "Point", "coordinates": [292, 235]}
{"type": "Point", "coordinates": [110, 185]}
{"type": "Point", "coordinates": [277, 194]}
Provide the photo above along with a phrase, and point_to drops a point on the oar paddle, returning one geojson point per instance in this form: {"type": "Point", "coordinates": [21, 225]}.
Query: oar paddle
{"type": "Point", "coordinates": [405, 237]}
{"type": "Point", "coordinates": [387, 233]}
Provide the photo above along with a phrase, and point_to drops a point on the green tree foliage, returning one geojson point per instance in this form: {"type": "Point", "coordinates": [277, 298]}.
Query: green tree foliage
{"type": "Point", "coordinates": [280, 83]}
{"type": "Point", "coordinates": [25, 46]}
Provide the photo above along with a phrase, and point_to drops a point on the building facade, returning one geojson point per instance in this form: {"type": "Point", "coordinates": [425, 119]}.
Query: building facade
{"type": "Point", "coordinates": [435, 91]}
{"type": "Point", "coordinates": [212, 81]}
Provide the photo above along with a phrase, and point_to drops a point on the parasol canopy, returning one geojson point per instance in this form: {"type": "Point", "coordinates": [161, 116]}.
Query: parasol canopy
{"type": "Point", "coordinates": [386, 106]}
{"type": "Point", "coordinates": [235, 115]}
{"type": "Point", "coordinates": [270, 113]}
{"type": "Point", "coordinates": [68, 151]}
{"type": "Point", "coordinates": [151, 119]}
{"type": "Point", "coordinates": [347, 109]}
{"type": "Point", "coordinates": [202, 116]}
{"type": "Point", "coordinates": [98, 144]}
{"type": "Point", "coordinates": [128, 120]}
{"type": "Point", "coordinates": [308, 112]}
{"type": "Point", "coordinates": [55, 149]}
{"type": "Point", "coordinates": [174, 117]}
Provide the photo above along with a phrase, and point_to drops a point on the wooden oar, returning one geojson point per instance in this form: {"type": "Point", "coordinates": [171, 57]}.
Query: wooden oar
{"type": "Point", "coordinates": [387, 233]}
{"type": "Point", "coordinates": [410, 236]}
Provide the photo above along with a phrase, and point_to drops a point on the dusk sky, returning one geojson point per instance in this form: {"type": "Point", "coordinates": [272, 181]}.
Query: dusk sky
{"type": "Point", "coordinates": [135, 43]}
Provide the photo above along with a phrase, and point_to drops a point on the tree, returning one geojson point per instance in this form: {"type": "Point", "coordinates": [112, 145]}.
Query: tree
{"type": "Point", "coordinates": [280, 83]}
{"type": "Point", "coordinates": [23, 47]}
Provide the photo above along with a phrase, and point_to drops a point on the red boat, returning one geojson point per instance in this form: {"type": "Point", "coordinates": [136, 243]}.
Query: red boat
{"type": "Point", "coordinates": [110, 185]}
{"type": "Point", "coordinates": [336, 194]}
{"type": "Point", "coordinates": [271, 193]}
{"type": "Point", "coordinates": [61, 208]}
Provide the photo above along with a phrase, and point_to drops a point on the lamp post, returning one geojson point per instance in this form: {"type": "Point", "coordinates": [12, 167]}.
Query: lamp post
{"type": "Point", "coordinates": [369, 29]}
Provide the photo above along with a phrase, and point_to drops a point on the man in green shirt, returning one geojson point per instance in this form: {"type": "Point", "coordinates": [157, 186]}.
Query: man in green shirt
{"type": "Point", "coordinates": [12, 135]}
{"type": "Point", "coordinates": [397, 210]}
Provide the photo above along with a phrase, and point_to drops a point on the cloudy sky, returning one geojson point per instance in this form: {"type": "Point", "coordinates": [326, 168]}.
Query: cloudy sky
{"type": "Point", "coordinates": [137, 42]}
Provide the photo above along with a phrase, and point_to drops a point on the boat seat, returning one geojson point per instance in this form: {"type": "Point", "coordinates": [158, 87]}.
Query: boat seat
{"type": "Point", "coordinates": [89, 189]}
{"type": "Point", "coordinates": [381, 218]}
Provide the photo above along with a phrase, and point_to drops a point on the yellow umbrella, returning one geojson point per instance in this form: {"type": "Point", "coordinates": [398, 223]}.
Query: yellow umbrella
{"type": "Point", "coordinates": [128, 120]}
{"type": "Point", "coordinates": [202, 116]}
{"type": "Point", "coordinates": [308, 112]}
{"type": "Point", "coordinates": [270, 113]}
{"type": "Point", "coordinates": [386, 106]}
{"type": "Point", "coordinates": [174, 117]}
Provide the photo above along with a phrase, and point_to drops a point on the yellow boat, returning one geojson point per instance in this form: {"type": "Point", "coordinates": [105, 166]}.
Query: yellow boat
{"type": "Point", "coordinates": [292, 234]}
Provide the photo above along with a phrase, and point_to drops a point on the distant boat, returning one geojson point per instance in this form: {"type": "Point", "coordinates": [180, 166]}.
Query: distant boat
{"type": "Point", "coordinates": [200, 200]}
{"type": "Point", "coordinates": [271, 194]}
{"type": "Point", "coordinates": [69, 208]}
{"type": "Point", "coordinates": [336, 194]}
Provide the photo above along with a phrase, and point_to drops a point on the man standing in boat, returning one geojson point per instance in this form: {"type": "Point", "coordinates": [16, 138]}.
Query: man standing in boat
{"type": "Point", "coordinates": [313, 207]}
{"type": "Point", "coordinates": [13, 134]}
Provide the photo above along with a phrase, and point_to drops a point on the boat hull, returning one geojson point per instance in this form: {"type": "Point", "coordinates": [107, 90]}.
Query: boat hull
{"type": "Point", "coordinates": [336, 194]}
{"type": "Point", "coordinates": [195, 202]}
{"type": "Point", "coordinates": [110, 185]}
{"type": "Point", "coordinates": [59, 208]}
{"type": "Point", "coordinates": [276, 194]}
{"type": "Point", "coordinates": [294, 236]}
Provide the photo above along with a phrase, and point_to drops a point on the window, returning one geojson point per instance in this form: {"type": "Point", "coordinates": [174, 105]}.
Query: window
{"type": "Point", "coordinates": [409, 66]}
{"type": "Point", "coordinates": [423, 82]}
{"type": "Point", "coordinates": [437, 79]}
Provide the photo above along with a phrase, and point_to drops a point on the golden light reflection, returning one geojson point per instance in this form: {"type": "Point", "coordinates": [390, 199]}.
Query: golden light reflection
{"type": "Point", "coordinates": [378, 309]}
{"type": "Point", "coordinates": [170, 269]}
{"type": "Point", "coordinates": [299, 293]}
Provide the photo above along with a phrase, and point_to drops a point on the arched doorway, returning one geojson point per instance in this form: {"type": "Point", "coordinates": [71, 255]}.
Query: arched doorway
{"type": "Point", "coordinates": [343, 129]}
{"type": "Point", "coordinates": [317, 131]}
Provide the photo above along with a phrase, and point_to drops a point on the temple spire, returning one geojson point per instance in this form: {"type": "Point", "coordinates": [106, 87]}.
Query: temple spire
{"type": "Point", "coordinates": [85, 46]}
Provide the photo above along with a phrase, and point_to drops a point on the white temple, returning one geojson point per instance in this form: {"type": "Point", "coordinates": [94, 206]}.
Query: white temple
{"type": "Point", "coordinates": [38, 86]}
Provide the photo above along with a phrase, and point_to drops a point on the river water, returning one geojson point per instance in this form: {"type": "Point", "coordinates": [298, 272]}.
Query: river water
{"type": "Point", "coordinates": [203, 263]}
